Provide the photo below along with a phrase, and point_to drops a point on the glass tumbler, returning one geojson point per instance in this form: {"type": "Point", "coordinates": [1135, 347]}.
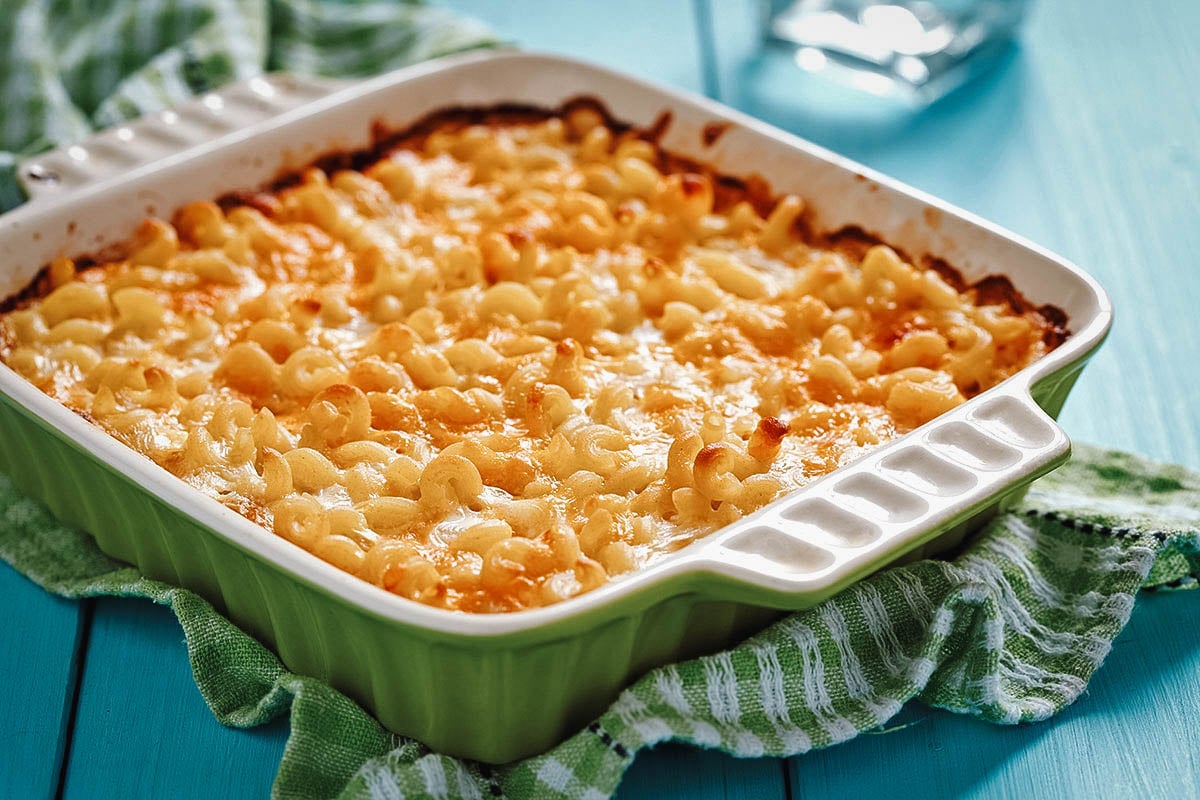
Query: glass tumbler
{"type": "Point", "coordinates": [915, 51]}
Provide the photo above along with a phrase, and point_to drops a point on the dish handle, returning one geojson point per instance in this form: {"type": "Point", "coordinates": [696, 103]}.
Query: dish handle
{"type": "Point", "coordinates": [167, 134]}
{"type": "Point", "coordinates": [845, 526]}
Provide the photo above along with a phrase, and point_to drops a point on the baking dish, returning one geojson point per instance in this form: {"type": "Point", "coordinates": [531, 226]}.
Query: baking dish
{"type": "Point", "coordinates": [498, 687]}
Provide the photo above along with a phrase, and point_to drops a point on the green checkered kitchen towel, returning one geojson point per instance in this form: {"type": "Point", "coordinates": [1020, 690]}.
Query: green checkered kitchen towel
{"type": "Point", "coordinates": [1009, 630]}
{"type": "Point", "coordinates": [68, 67]}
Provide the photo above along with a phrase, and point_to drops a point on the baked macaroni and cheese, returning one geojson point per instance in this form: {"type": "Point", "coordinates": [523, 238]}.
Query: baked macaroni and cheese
{"type": "Point", "coordinates": [512, 357]}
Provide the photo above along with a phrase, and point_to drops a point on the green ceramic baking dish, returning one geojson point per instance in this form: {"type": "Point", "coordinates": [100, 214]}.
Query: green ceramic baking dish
{"type": "Point", "coordinates": [500, 687]}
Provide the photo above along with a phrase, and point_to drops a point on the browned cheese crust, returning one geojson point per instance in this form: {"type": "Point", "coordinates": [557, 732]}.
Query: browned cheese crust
{"type": "Point", "coordinates": [509, 354]}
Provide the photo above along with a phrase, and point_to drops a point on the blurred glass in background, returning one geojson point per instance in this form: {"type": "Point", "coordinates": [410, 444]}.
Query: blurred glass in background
{"type": "Point", "coordinates": [909, 51]}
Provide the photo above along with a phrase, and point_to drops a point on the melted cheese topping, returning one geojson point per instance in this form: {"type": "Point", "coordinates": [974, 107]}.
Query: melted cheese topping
{"type": "Point", "coordinates": [506, 362]}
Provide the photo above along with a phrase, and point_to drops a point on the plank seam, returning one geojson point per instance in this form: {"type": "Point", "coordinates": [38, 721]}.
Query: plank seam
{"type": "Point", "coordinates": [788, 792]}
{"type": "Point", "coordinates": [78, 659]}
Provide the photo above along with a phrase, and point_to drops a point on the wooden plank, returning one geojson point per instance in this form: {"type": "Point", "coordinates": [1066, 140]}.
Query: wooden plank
{"type": "Point", "coordinates": [141, 727]}
{"type": "Point", "coordinates": [1133, 733]}
{"type": "Point", "coordinates": [654, 40]}
{"type": "Point", "coordinates": [1084, 141]}
{"type": "Point", "coordinates": [40, 635]}
{"type": "Point", "coordinates": [675, 772]}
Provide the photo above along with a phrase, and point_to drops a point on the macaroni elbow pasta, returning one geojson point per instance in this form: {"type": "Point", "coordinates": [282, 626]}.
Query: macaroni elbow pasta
{"type": "Point", "coordinates": [509, 360]}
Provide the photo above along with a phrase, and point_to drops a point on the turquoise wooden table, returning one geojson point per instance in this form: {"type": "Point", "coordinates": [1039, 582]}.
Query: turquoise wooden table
{"type": "Point", "coordinates": [1086, 140]}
